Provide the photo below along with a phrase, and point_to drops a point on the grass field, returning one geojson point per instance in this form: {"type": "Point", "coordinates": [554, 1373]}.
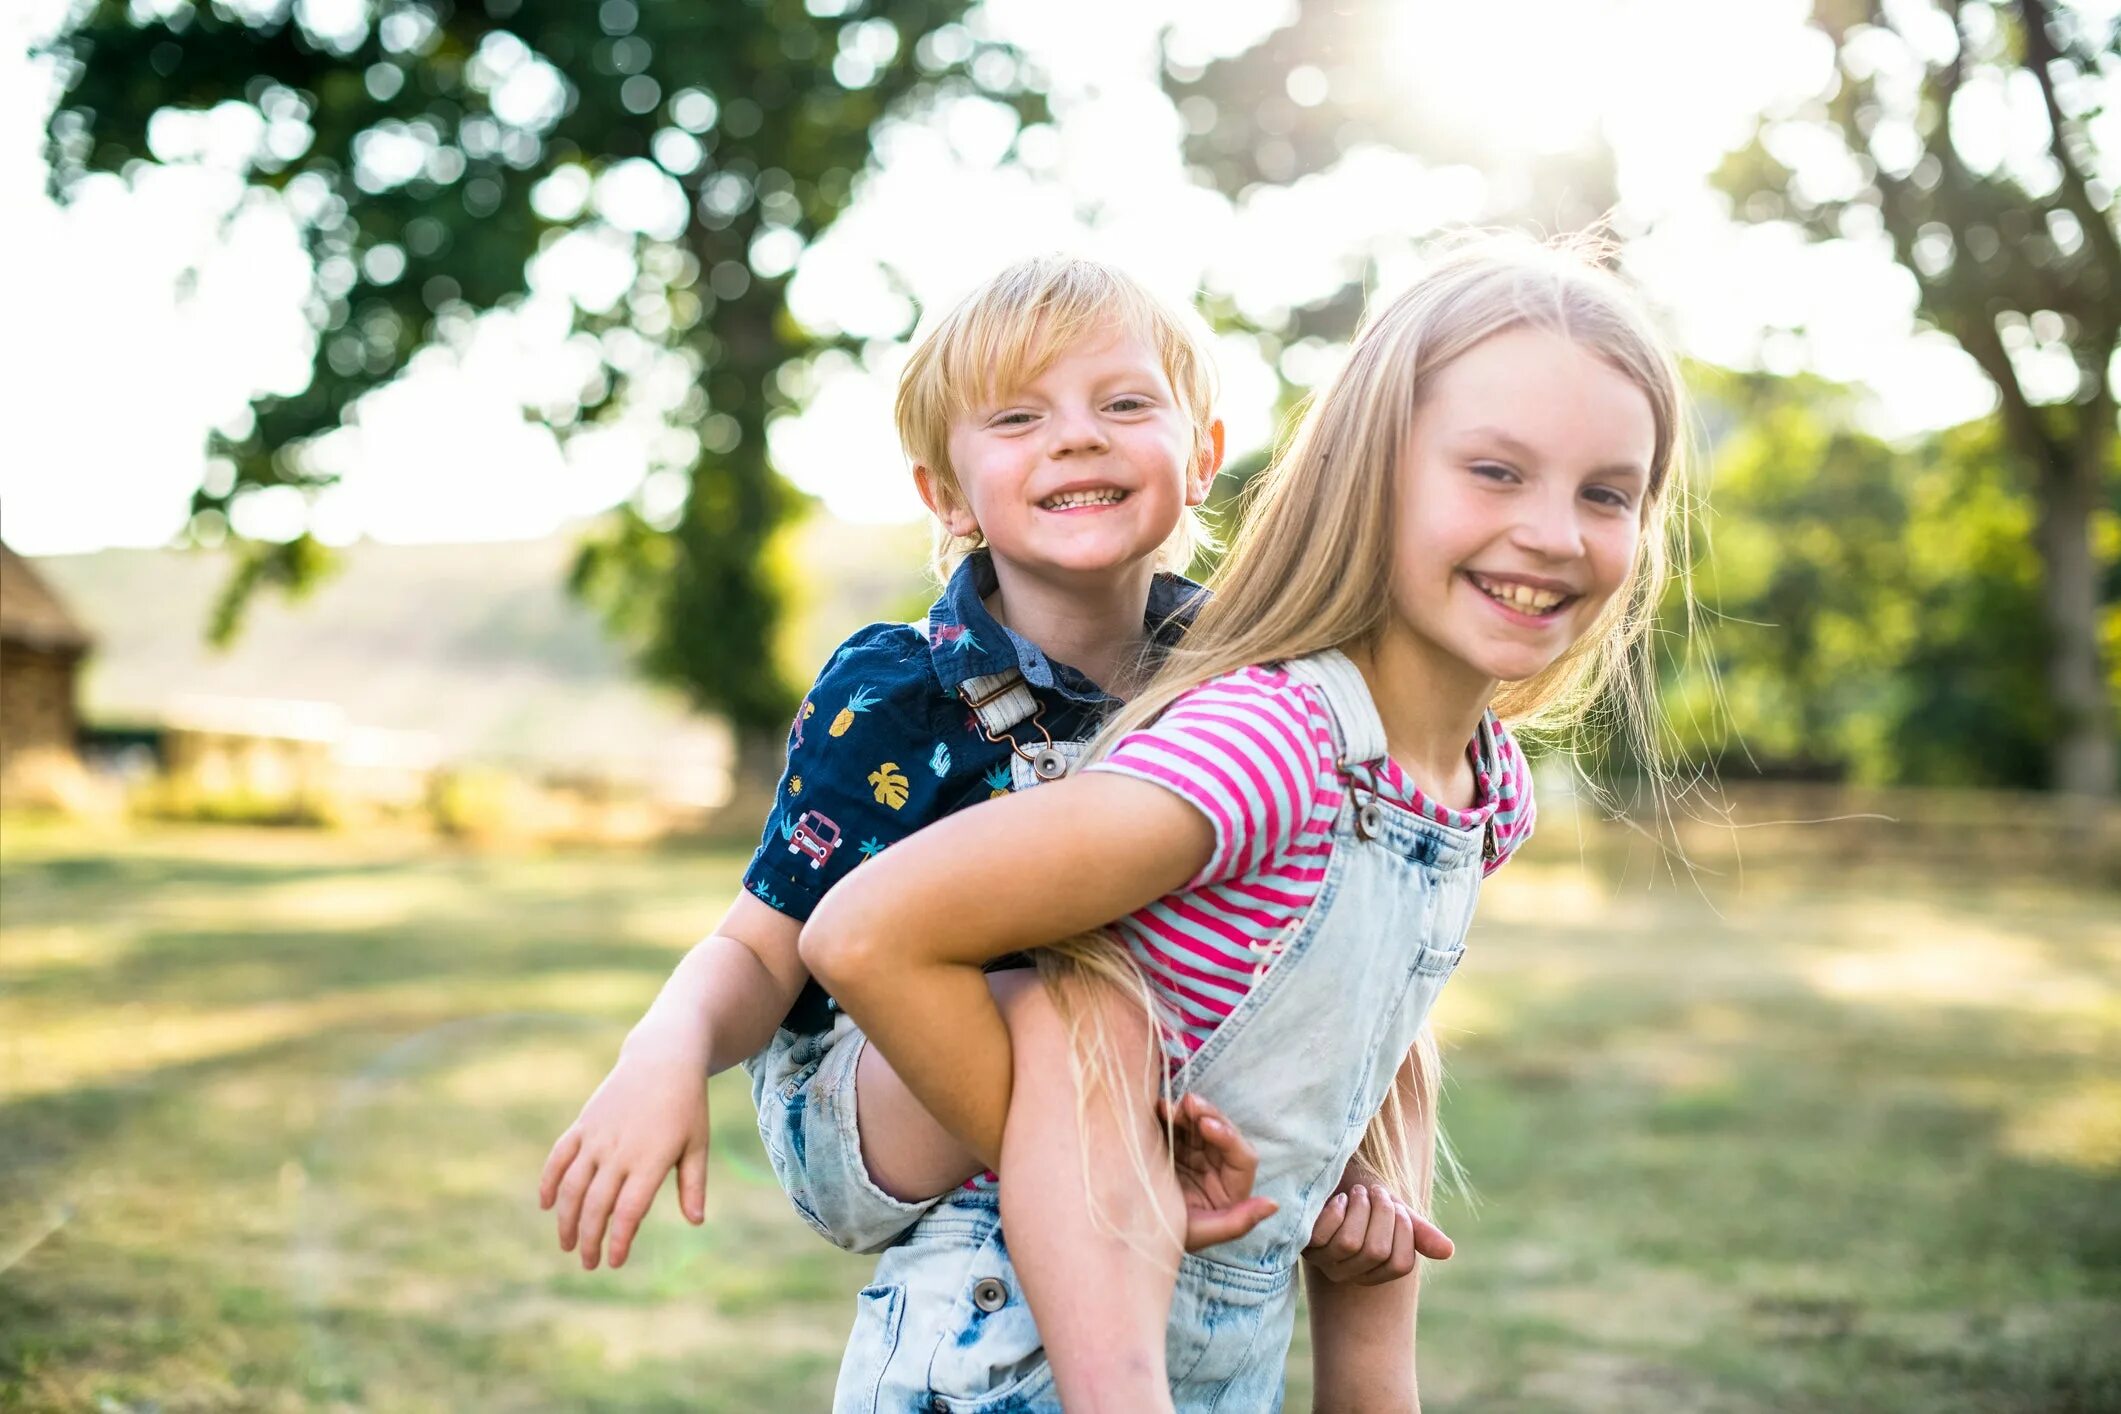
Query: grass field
{"type": "Point", "coordinates": [272, 1108]}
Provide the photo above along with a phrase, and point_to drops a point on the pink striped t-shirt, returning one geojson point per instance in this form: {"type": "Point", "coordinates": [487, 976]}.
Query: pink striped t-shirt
{"type": "Point", "coordinates": [1253, 751]}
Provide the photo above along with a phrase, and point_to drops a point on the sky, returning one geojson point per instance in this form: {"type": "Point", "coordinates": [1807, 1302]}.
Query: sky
{"type": "Point", "coordinates": [146, 317]}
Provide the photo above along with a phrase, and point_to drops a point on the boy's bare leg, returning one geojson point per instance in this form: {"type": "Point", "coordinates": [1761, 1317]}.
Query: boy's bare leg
{"type": "Point", "coordinates": [907, 1153]}
{"type": "Point", "coordinates": [1100, 1287]}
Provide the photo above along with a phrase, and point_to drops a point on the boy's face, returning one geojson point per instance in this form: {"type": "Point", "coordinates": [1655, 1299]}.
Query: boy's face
{"type": "Point", "coordinates": [1083, 470]}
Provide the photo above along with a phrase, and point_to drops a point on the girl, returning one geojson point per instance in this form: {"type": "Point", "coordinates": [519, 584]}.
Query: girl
{"type": "Point", "coordinates": [1291, 824]}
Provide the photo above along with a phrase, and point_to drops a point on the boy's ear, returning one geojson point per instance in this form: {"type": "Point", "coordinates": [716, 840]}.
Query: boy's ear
{"type": "Point", "coordinates": [941, 504]}
{"type": "Point", "coordinates": [1206, 465]}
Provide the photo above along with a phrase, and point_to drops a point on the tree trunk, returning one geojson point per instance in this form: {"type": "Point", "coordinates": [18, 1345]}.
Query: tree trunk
{"type": "Point", "coordinates": [2084, 750]}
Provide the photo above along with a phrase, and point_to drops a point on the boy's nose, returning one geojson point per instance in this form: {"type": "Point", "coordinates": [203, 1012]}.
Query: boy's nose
{"type": "Point", "coordinates": [1076, 433]}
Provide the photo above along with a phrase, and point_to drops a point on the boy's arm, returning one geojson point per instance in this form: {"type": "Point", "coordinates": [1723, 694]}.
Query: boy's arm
{"type": "Point", "coordinates": [720, 1005]}
{"type": "Point", "coordinates": [1362, 1334]}
{"type": "Point", "coordinates": [900, 942]}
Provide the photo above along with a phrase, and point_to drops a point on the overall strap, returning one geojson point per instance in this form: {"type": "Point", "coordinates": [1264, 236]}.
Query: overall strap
{"type": "Point", "coordinates": [1358, 732]}
{"type": "Point", "coordinates": [1000, 700]}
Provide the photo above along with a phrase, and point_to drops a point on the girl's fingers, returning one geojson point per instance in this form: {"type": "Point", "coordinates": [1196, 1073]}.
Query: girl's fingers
{"type": "Point", "coordinates": [1431, 1241]}
{"type": "Point", "coordinates": [1401, 1261]}
{"type": "Point", "coordinates": [1348, 1241]}
{"type": "Point", "coordinates": [596, 1211]}
{"type": "Point", "coordinates": [1377, 1240]}
{"type": "Point", "coordinates": [1329, 1220]}
{"type": "Point", "coordinates": [580, 1174]}
{"type": "Point", "coordinates": [692, 1183]}
{"type": "Point", "coordinates": [563, 1151]}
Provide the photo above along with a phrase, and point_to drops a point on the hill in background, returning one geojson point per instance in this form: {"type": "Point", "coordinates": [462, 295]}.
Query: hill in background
{"type": "Point", "coordinates": [479, 646]}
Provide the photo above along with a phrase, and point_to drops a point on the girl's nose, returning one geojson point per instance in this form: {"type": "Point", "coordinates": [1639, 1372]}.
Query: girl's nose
{"type": "Point", "coordinates": [1550, 527]}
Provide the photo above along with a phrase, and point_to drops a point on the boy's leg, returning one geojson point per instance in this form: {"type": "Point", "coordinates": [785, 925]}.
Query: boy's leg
{"type": "Point", "coordinates": [855, 1152]}
{"type": "Point", "coordinates": [1099, 1280]}
{"type": "Point", "coordinates": [906, 1153]}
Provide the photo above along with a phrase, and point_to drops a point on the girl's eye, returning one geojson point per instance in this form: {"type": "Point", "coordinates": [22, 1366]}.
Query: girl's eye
{"type": "Point", "coordinates": [1609, 498]}
{"type": "Point", "coordinates": [1493, 471]}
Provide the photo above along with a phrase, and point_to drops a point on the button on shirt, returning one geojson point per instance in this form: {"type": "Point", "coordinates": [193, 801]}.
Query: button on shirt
{"type": "Point", "coordinates": [883, 743]}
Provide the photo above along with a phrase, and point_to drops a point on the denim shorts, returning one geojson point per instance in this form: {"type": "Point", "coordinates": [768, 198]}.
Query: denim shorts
{"type": "Point", "coordinates": [803, 1086]}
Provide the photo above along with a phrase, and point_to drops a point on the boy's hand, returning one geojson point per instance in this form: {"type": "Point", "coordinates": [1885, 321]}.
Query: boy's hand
{"type": "Point", "coordinates": [1365, 1236]}
{"type": "Point", "coordinates": [1215, 1171]}
{"type": "Point", "coordinates": [648, 1116]}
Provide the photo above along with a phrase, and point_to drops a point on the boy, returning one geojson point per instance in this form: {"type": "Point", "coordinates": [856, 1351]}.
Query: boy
{"type": "Point", "coordinates": [1060, 425]}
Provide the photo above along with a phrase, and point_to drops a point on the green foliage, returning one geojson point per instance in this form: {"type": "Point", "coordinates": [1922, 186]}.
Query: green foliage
{"type": "Point", "coordinates": [1872, 610]}
{"type": "Point", "coordinates": [427, 155]}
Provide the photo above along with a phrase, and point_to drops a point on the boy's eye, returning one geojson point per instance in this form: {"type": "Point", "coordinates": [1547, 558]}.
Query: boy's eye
{"type": "Point", "coordinates": [1011, 419]}
{"type": "Point", "coordinates": [1128, 404]}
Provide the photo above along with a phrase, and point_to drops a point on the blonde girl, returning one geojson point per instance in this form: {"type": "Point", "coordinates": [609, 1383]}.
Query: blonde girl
{"type": "Point", "coordinates": [1290, 823]}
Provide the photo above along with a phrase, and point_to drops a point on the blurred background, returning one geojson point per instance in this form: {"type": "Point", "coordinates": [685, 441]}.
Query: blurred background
{"type": "Point", "coordinates": [446, 433]}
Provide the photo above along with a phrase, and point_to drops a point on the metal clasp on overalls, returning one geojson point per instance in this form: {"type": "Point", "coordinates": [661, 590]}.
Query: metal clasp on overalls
{"type": "Point", "coordinates": [1047, 763]}
{"type": "Point", "coordinates": [1369, 815]}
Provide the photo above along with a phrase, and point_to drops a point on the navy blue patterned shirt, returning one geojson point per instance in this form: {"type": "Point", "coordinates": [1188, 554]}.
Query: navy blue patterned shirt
{"type": "Point", "coordinates": [883, 744]}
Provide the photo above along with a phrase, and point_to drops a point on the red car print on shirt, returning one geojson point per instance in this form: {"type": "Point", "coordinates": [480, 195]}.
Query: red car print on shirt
{"type": "Point", "coordinates": [816, 836]}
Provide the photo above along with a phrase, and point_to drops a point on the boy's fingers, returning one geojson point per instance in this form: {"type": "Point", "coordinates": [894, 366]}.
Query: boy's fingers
{"type": "Point", "coordinates": [1431, 1241]}
{"type": "Point", "coordinates": [563, 1151]}
{"type": "Point", "coordinates": [692, 1183]}
{"type": "Point", "coordinates": [579, 1175]}
{"type": "Point", "coordinates": [627, 1213]}
{"type": "Point", "coordinates": [596, 1211]}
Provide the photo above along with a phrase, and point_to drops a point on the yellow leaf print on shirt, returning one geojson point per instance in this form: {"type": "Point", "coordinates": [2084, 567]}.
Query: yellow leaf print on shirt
{"type": "Point", "coordinates": [890, 785]}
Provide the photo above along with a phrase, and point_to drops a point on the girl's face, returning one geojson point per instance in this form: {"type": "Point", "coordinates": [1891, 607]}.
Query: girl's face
{"type": "Point", "coordinates": [1521, 493]}
{"type": "Point", "coordinates": [1085, 469]}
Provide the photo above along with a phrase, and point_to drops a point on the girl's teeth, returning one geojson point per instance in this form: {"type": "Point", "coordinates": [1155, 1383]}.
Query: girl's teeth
{"type": "Point", "coordinates": [1520, 596]}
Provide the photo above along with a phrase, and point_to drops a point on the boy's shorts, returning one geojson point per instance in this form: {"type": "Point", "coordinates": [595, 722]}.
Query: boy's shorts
{"type": "Point", "coordinates": [803, 1085]}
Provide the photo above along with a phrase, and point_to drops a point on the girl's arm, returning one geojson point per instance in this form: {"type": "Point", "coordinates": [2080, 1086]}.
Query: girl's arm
{"type": "Point", "coordinates": [1362, 1336]}
{"type": "Point", "coordinates": [901, 940]}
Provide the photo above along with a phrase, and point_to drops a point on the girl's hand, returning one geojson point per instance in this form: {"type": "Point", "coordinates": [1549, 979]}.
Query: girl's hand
{"type": "Point", "coordinates": [648, 1116]}
{"type": "Point", "coordinates": [1215, 1168]}
{"type": "Point", "coordinates": [1366, 1237]}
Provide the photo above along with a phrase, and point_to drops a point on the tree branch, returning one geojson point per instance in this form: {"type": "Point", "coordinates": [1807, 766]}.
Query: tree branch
{"type": "Point", "coordinates": [2040, 55]}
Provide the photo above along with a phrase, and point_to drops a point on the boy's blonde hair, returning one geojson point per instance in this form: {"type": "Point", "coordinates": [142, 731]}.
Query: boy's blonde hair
{"type": "Point", "coordinates": [1312, 565]}
{"type": "Point", "coordinates": [1009, 331]}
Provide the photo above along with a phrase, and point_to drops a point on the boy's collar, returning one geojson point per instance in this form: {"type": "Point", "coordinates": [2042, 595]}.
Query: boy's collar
{"type": "Point", "coordinates": [966, 641]}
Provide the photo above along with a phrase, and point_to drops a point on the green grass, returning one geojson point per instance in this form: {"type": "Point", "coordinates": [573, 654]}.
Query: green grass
{"type": "Point", "coordinates": [272, 1107]}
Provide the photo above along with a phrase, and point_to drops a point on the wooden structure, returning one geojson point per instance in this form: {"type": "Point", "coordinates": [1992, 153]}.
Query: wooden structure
{"type": "Point", "coordinates": [41, 648]}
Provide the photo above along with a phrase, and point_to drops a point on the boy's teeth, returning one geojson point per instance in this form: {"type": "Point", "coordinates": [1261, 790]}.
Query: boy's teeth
{"type": "Point", "coordinates": [1062, 502]}
{"type": "Point", "coordinates": [1519, 596]}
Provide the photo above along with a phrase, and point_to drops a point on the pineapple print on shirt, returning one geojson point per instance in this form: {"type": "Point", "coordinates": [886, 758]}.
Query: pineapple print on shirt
{"type": "Point", "coordinates": [862, 700]}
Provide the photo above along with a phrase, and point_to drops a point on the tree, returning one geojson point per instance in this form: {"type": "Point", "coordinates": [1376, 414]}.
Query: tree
{"type": "Point", "coordinates": [2015, 253]}
{"type": "Point", "coordinates": [430, 149]}
{"type": "Point", "coordinates": [1867, 603]}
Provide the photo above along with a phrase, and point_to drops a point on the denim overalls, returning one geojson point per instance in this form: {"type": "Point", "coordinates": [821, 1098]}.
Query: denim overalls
{"type": "Point", "coordinates": [1300, 1067]}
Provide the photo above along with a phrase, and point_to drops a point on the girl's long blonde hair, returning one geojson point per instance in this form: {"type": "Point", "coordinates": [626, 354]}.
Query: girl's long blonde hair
{"type": "Point", "coordinates": [1311, 569]}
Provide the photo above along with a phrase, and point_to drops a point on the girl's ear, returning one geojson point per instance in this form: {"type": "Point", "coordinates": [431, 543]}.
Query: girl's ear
{"type": "Point", "coordinates": [941, 504]}
{"type": "Point", "coordinates": [1209, 462]}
